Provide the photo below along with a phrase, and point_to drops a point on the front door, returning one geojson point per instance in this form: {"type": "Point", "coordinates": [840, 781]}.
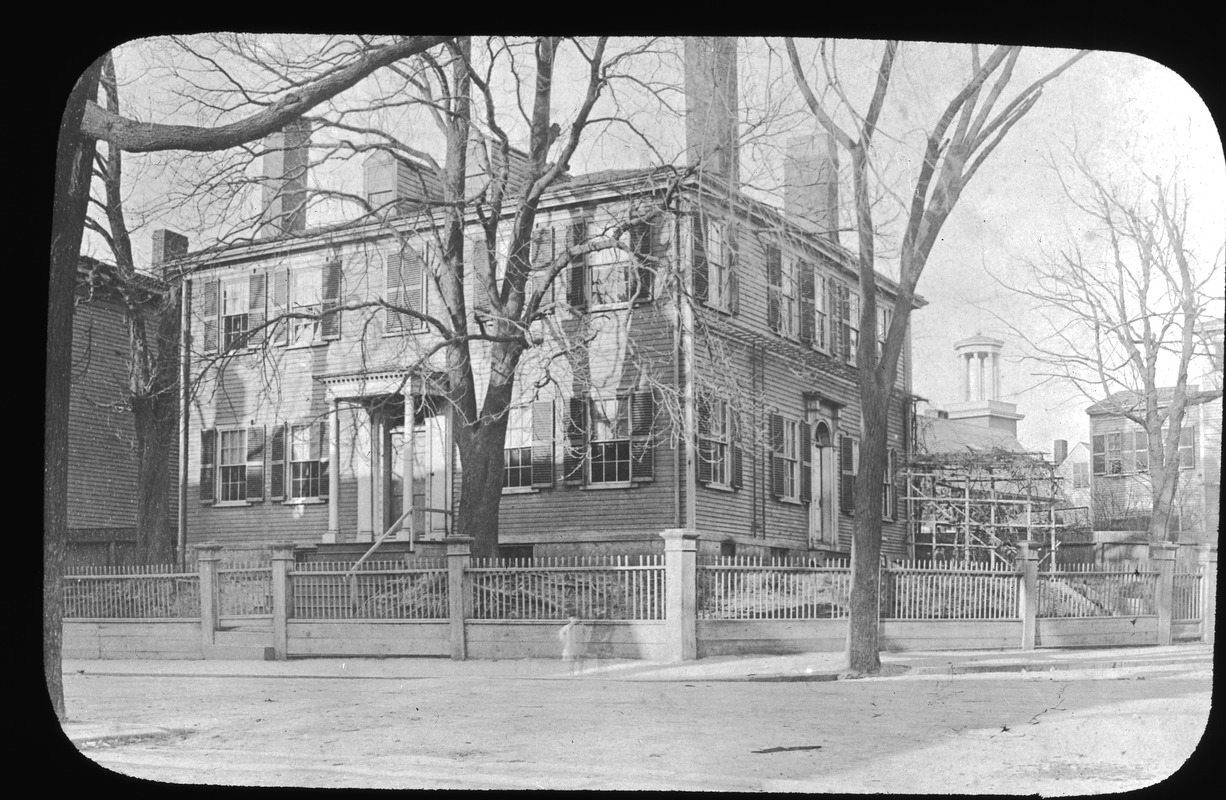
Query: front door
{"type": "Point", "coordinates": [822, 530]}
{"type": "Point", "coordinates": [430, 465]}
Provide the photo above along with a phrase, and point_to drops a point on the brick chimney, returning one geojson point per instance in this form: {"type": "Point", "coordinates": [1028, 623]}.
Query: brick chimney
{"type": "Point", "coordinates": [711, 107]}
{"type": "Point", "coordinates": [167, 246]}
{"type": "Point", "coordinates": [1060, 451]}
{"type": "Point", "coordinates": [811, 183]}
{"type": "Point", "coordinates": [286, 163]}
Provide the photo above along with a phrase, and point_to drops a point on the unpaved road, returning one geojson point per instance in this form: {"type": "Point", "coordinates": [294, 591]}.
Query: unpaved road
{"type": "Point", "coordinates": [1053, 734]}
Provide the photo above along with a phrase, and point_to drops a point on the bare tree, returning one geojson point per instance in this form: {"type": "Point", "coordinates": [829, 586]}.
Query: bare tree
{"type": "Point", "coordinates": [974, 122]}
{"type": "Point", "coordinates": [83, 124]}
{"type": "Point", "coordinates": [1125, 309]}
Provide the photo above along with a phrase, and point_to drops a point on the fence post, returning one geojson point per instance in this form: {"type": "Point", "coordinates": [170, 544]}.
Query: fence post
{"type": "Point", "coordinates": [1208, 592]}
{"type": "Point", "coordinates": [1162, 554]}
{"type": "Point", "coordinates": [208, 556]}
{"type": "Point", "coordinates": [459, 556]}
{"type": "Point", "coordinates": [282, 565]}
{"type": "Point", "coordinates": [1028, 593]}
{"type": "Point", "coordinates": [680, 593]}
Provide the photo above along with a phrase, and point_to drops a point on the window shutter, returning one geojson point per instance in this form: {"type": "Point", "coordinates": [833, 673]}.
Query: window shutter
{"type": "Point", "coordinates": [698, 238]}
{"type": "Point", "coordinates": [847, 475]}
{"type": "Point", "coordinates": [734, 436]}
{"type": "Point", "coordinates": [480, 261]}
{"type": "Point", "coordinates": [322, 442]}
{"type": "Point", "coordinates": [276, 464]}
{"type": "Point", "coordinates": [209, 308]}
{"type": "Point", "coordinates": [703, 413]}
{"type": "Point", "coordinates": [844, 294]}
{"type": "Point", "coordinates": [642, 275]}
{"type": "Point", "coordinates": [257, 286]}
{"type": "Point", "coordinates": [777, 464]}
{"type": "Point", "coordinates": [774, 287]}
{"type": "Point", "coordinates": [280, 305]}
{"type": "Point", "coordinates": [330, 325]}
{"type": "Point", "coordinates": [208, 458]}
{"type": "Point", "coordinates": [806, 462]}
{"type": "Point", "coordinates": [413, 273]}
{"type": "Point", "coordinates": [808, 303]}
{"type": "Point", "coordinates": [255, 464]}
{"type": "Point", "coordinates": [542, 444]}
{"type": "Point", "coordinates": [576, 283]}
{"type": "Point", "coordinates": [544, 251]}
{"type": "Point", "coordinates": [734, 264]}
{"type": "Point", "coordinates": [642, 454]}
{"type": "Point", "coordinates": [576, 441]}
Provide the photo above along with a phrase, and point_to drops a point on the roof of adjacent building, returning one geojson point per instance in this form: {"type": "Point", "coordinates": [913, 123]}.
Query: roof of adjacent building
{"type": "Point", "coordinates": [1128, 400]}
{"type": "Point", "coordinates": [938, 435]}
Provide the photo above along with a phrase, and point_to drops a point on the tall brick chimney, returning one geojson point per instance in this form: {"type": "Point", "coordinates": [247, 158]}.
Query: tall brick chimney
{"type": "Point", "coordinates": [286, 163]}
{"type": "Point", "coordinates": [167, 246]}
{"type": "Point", "coordinates": [711, 107]}
{"type": "Point", "coordinates": [811, 183]}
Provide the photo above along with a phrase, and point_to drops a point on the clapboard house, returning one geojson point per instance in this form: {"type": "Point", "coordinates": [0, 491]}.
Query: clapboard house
{"type": "Point", "coordinates": [700, 375]}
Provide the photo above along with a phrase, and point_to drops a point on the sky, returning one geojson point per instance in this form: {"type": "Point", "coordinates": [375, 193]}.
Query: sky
{"type": "Point", "coordinates": [1123, 112]}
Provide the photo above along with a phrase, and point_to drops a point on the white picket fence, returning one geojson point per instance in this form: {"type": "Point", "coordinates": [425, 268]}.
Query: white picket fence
{"type": "Point", "coordinates": [376, 590]}
{"type": "Point", "coordinates": [586, 587]}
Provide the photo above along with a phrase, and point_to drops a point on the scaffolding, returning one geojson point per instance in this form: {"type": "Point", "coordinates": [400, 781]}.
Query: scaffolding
{"type": "Point", "coordinates": [978, 506]}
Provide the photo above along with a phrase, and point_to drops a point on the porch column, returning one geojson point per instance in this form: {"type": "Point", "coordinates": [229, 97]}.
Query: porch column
{"type": "Point", "coordinates": [334, 464]}
{"type": "Point", "coordinates": [364, 467]}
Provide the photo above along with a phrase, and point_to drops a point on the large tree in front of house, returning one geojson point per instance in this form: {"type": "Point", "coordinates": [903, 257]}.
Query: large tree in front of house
{"type": "Point", "coordinates": [981, 111]}
{"type": "Point", "coordinates": [84, 123]}
{"type": "Point", "coordinates": [1125, 309]}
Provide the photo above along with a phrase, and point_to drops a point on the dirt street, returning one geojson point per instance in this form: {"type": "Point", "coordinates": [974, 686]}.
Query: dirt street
{"type": "Point", "coordinates": [1053, 734]}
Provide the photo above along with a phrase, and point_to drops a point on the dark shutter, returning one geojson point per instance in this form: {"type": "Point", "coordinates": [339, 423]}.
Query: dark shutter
{"type": "Point", "coordinates": [806, 462]}
{"type": "Point", "coordinates": [847, 475]}
{"type": "Point", "coordinates": [325, 451]}
{"type": "Point", "coordinates": [642, 453]}
{"type": "Point", "coordinates": [733, 268]}
{"type": "Point", "coordinates": [705, 446]}
{"type": "Point", "coordinates": [734, 436]}
{"type": "Point", "coordinates": [208, 459]}
{"type": "Point", "coordinates": [774, 287]}
{"type": "Point", "coordinates": [209, 315]}
{"type": "Point", "coordinates": [642, 275]}
{"type": "Point", "coordinates": [543, 252]}
{"type": "Point", "coordinates": [280, 306]}
{"type": "Point", "coordinates": [480, 260]}
{"type": "Point", "coordinates": [844, 301]}
{"type": "Point", "coordinates": [330, 325]}
{"type": "Point", "coordinates": [276, 464]}
{"type": "Point", "coordinates": [808, 303]}
{"type": "Point", "coordinates": [698, 238]}
{"type": "Point", "coordinates": [777, 463]}
{"type": "Point", "coordinates": [257, 290]}
{"type": "Point", "coordinates": [576, 279]}
{"type": "Point", "coordinates": [542, 444]}
{"type": "Point", "coordinates": [405, 287]}
{"type": "Point", "coordinates": [413, 273]}
{"type": "Point", "coordinates": [576, 441]}
{"type": "Point", "coordinates": [255, 464]}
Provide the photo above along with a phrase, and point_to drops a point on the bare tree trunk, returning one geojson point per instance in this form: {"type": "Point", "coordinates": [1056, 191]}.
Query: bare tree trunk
{"type": "Point", "coordinates": [863, 625]}
{"type": "Point", "coordinates": [1163, 491]}
{"type": "Point", "coordinates": [73, 162]}
{"type": "Point", "coordinates": [481, 456]}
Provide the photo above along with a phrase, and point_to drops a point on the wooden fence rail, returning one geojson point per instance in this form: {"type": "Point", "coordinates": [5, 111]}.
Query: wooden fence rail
{"type": "Point", "coordinates": [370, 593]}
{"type": "Point", "coordinates": [595, 588]}
{"type": "Point", "coordinates": [132, 596]}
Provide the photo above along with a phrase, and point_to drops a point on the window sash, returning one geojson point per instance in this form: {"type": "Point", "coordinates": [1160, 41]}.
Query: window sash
{"type": "Point", "coordinates": [819, 305]}
{"type": "Point", "coordinates": [232, 465]}
{"type": "Point", "coordinates": [717, 265]}
{"type": "Point", "coordinates": [791, 460]}
{"type": "Point", "coordinates": [609, 445]}
{"type": "Point", "coordinates": [305, 468]}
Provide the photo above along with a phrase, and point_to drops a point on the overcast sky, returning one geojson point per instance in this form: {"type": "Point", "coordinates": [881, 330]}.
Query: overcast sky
{"type": "Point", "coordinates": [1124, 113]}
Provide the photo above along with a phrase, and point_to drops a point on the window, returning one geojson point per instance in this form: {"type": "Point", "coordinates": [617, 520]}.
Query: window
{"type": "Point", "coordinates": [1081, 475]}
{"type": "Point", "coordinates": [853, 326]}
{"type": "Point", "coordinates": [405, 284]}
{"type": "Point", "coordinates": [787, 319]}
{"type": "Point", "coordinates": [304, 461]}
{"type": "Point", "coordinates": [610, 441]}
{"type": "Point", "coordinates": [885, 315]}
{"type": "Point", "coordinates": [1187, 448]}
{"type": "Point", "coordinates": [1135, 451]}
{"type": "Point", "coordinates": [612, 276]}
{"type": "Point", "coordinates": [232, 466]}
{"type": "Point", "coordinates": [517, 453]}
{"type": "Point", "coordinates": [774, 288]}
{"type": "Point", "coordinates": [822, 329]}
{"type": "Point", "coordinates": [714, 255]}
{"type": "Point", "coordinates": [235, 304]}
{"type": "Point", "coordinates": [791, 465]}
{"type": "Point", "coordinates": [718, 452]}
{"type": "Point", "coordinates": [306, 297]}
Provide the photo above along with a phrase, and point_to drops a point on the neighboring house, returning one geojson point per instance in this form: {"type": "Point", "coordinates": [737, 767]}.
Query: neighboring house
{"type": "Point", "coordinates": [1119, 469]}
{"type": "Point", "coordinates": [704, 376]}
{"type": "Point", "coordinates": [1073, 470]}
{"type": "Point", "coordinates": [102, 465]}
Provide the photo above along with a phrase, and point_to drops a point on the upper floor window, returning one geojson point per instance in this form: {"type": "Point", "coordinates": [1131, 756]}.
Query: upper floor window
{"type": "Point", "coordinates": [714, 252]}
{"type": "Point", "coordinates": [306, 298]}
{"type": "Point", "coordinates": [1081, 475]}
{"type": "Point", "coordinates": [609, 276]}
{"type": "Point", "coordinates": [889, 495]}
{"type": "Point", "coordinates": [885, 316]}
{"type": "Point", "coordinates": [1187, 447]}
{"type": "Point", "coordinates": [235, 304]}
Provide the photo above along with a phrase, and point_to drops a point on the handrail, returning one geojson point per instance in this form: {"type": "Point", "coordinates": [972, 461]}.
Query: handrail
{"type": "Point", "coordinates": [391, 528]}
